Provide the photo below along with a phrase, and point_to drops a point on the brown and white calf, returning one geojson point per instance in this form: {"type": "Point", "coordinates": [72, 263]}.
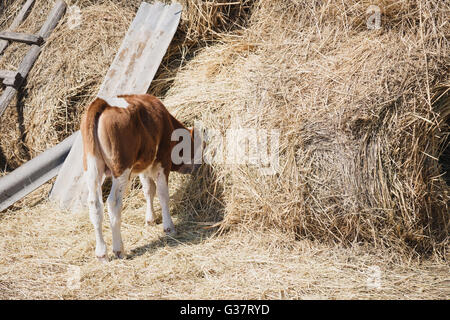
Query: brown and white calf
{"type": "Point", "coordinates": [123, 142]}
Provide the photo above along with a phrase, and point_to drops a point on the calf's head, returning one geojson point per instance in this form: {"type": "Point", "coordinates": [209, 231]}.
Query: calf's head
{"type": "Point", "coordinates": [187, 150]}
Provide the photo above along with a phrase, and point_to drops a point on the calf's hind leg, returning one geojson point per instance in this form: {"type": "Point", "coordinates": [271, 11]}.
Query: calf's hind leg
{"type": "Point", "coordinates": [149, 188]}
{"type": "Point", "coordinates": [94, 177]}
{"type": "Point", "coordinates": [114, 203]}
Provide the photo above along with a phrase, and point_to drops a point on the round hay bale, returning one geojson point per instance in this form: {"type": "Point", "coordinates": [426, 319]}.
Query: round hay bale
{"type": "Point", "coordinates": [359, 147]}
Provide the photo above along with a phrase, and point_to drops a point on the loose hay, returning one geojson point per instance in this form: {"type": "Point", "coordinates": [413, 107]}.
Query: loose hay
{"type": "Point", "coordinates": [48, 255]}
{"type": "Point", "coordinates": [363, 114]}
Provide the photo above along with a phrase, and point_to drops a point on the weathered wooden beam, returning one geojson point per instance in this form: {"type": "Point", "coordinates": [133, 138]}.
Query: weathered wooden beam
{"type": "Point", "coordinates": [50, 24]}
{"type": "Point", "coordinates": [53, 18]}
{"type": "Point", "coordinates": [13, 82]}
{"type": "Point", "coordinates": [21, 16]}
{"type": "Point", "coordinates": [21, 37]}
{"type": "Point", "coordinates": [10, 78]}
{"type": "Point", "coordinates": [33, 174]}
{"type": "Point", "coordinates": [4, 74]}
{"type": "Point", "coordinates": [6, 98]}
{"type": "Point", "coordinates": [29, 60]}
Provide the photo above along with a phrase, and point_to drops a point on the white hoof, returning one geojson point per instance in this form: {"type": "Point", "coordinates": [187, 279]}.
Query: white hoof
{"type": "Point", "coordinates": [103, 259]}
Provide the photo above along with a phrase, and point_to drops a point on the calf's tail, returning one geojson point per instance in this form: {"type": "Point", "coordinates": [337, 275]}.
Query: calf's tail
{"type": "Point", "coordinates": [88, 128]}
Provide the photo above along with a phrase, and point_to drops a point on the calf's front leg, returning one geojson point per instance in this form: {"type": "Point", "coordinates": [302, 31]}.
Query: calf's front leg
{"type": "Point", "coordinates": [149, 188]}
{"type": "Point", "coordinates": [94, 176]}
{"type": "Point", "coordinates": [114, 203]}
{"type": "Point", "coordinates": [163, 195]}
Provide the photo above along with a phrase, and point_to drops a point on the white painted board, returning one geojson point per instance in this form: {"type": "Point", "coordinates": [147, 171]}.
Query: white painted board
{"type": "Point", "coordinates": [131, 72]}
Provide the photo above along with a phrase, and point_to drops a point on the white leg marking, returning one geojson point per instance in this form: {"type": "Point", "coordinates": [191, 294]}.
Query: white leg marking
{"type": "Point", "coordinates": [149, 188]}
{"type": "Point", "coordinates": [95, 203]}
{"type": "Point", "coordinates": [163, 195]}
{"type": "Point", "coordinates": [114, 202]}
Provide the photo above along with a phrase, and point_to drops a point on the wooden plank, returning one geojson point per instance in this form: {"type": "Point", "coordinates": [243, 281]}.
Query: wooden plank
{"type": "Point", "coordinates": [53, 18]}
{"type": "Point", "coordinates": [5, 99]}
{"type": "Point", "coordinates": [8, 74]}
{"type": "Point", "coordinates": [33, 53]}
{"type": "Point", "coordinates": [33, 174]}
{"type": "Point", "coordinates": [21, 16]}
{"type": "Point", "coordinates": [29, 60]}
{"type": "Point", "coordinates": [142, 50]}
{"type": "Point", "coordinates": [132, 71]}
{"type": "Point", "coordinates": [39, 170]}
{"type": "Point", "coordinates": [10, 78]}
{"type": "Point", "coordinates": [21, 37]}
{"type": "Point", "coordinates": [13, 82]}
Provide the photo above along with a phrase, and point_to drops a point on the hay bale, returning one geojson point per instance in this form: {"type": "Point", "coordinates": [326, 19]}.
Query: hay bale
{"type": "Point", "coordinates": [360, 132]}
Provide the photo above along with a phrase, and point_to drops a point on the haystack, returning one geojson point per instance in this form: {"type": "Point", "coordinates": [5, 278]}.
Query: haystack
{"type": "Point", "coordinates": [363, 116]}
{"type": "Point", "coordinates": [363, 113]}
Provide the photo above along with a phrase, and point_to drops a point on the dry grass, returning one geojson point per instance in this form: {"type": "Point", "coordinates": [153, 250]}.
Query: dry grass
{"type": "Point", "coordinates": [40, 248]}
{"type": "Point", "coordinates": [364, 149]}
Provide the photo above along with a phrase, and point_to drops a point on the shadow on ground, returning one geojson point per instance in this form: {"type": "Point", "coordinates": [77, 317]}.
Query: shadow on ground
{"type": "Point", "coordinates": [198, 207]}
